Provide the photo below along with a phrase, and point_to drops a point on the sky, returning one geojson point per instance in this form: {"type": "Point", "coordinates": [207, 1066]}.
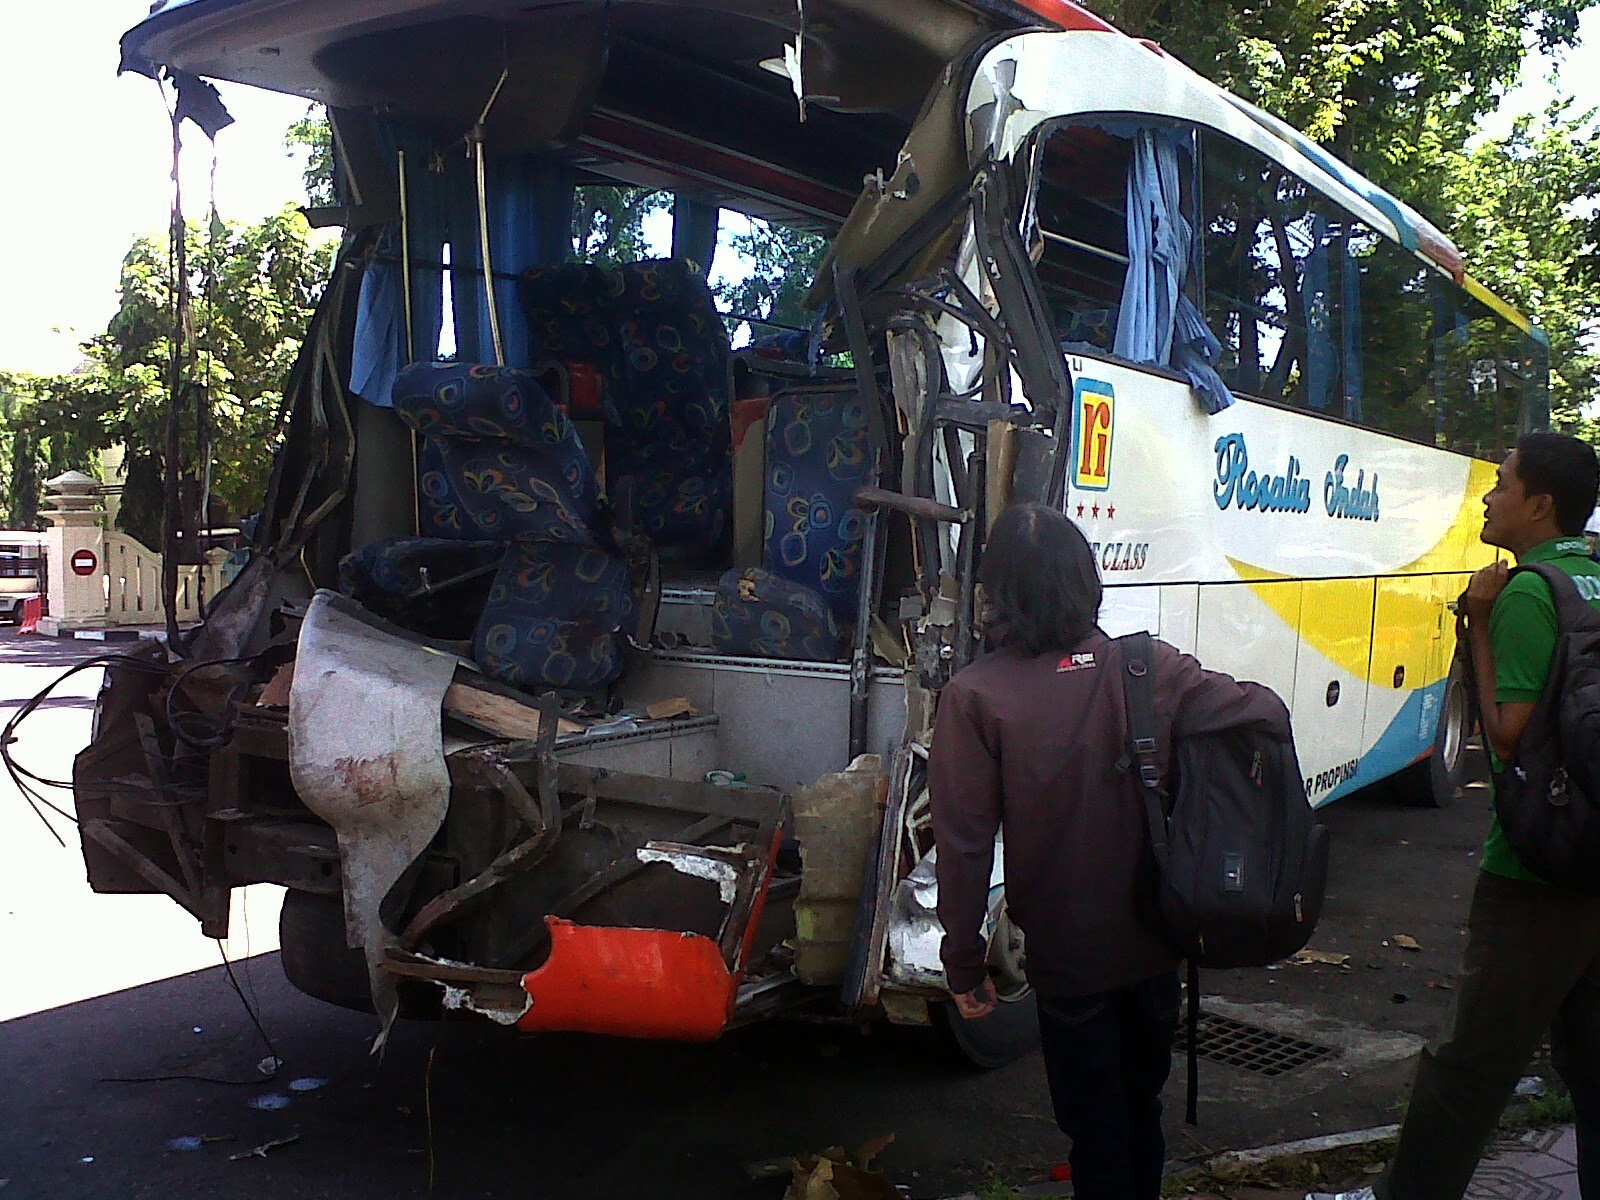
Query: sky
{"type": "Point", "coordinates": [89, 164]}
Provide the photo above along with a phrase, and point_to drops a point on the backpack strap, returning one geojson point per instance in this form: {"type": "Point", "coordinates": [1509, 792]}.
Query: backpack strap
{"type": "Point", "coordinates": [1572, 610]}
{"type": "Point", "coordinates": [1138, 657]}
{"type": "Point", "coordinates": [1138, 693]}
{"type": "Point", "coordinates": [1191, 1111]}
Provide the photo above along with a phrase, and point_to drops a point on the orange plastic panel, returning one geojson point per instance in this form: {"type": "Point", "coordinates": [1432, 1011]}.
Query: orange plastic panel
{"type": "Point", "coordinates": [585, 391]}
{"type": "Point", "coordinates": [645, 983]}
{"type": "Point", "coordinates": [747, 412]}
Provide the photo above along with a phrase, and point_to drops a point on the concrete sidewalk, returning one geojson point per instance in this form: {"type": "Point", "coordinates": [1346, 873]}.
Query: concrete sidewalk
{"type": "Point", "coordinates": [1541, 1164]}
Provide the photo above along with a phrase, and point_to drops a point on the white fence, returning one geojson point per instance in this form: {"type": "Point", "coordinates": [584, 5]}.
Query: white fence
{"type": "Point", "coordinates": [133, 584]}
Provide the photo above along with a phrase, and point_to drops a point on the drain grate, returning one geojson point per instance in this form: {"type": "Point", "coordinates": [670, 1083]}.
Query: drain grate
{"type": "Point", "coordinates": [1224, 1040]}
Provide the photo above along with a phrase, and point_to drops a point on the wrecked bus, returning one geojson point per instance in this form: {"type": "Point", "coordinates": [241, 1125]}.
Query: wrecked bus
{"type": "Point", "coordinates": [585, 679]}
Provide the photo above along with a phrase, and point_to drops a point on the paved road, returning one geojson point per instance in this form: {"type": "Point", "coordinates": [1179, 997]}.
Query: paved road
{"type": "Point", "coordinates": [119, 1032]}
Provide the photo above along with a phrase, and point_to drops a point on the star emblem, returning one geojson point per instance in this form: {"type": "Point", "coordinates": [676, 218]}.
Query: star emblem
{"type": "Point", "coordinates": [1095, 510]}
{"type": "Point", "coordinates": [1111, 510]}
{"type": "Point", "coordinates": [1080, 511]}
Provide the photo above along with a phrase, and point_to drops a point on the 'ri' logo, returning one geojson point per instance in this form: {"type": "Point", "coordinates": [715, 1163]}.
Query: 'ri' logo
{"type": "Point", "coordinates": [1091, 435]}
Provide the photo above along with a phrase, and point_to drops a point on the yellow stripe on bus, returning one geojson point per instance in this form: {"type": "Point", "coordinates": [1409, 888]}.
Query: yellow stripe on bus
{"type": "Point", "coordinates": [1408, 610]}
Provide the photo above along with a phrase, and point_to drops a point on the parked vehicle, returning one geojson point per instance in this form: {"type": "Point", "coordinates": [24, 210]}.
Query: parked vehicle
{"type": "Point", "coordinates": [586, 681]}
{"type": "Point", "coordinates": [22, 571]}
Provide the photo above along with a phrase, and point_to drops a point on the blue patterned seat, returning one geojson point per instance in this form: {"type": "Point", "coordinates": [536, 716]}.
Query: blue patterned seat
{"type": "Point", "coordinates": [433, 585]}
{"type": "Point", "coordinates": [761, 615]}
{"type": "Point", "coordinates": [652, 331]}
{"type": "Point", "coordinates": [502, 463]}
{"type": "Point", "coordinates": [673, 439]}
{"type": "Point", "coordinates": [818, 454]}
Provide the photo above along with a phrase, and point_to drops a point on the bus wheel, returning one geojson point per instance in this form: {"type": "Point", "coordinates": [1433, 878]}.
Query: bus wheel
{"type": "Point", "coordinates": [1440, 778]}
{"type": "Point", "coordinates": [316, 960]}
{"type": "Point", "coordinates": [1012, 1029]}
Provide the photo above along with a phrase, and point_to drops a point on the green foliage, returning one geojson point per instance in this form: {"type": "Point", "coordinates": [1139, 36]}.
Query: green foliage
{"type": "Point", "coordinates": [1519, 210]}
{"type": "Point", "coordinates": [253, 290]}
{"type": "Point", "coordinates": [608, 222]}
{"type": "Point", "coordinates": [312, 135]}
{"type": "Point", "coordinates": [782, 263]}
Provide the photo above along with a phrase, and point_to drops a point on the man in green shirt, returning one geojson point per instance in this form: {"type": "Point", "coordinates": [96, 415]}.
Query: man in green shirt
{"type": "Point", "coordinates": [1532, 961]}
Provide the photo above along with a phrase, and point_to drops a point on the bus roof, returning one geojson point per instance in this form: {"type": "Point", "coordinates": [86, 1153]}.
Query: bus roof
{"type": "Point", "coordinates": [692, 93]}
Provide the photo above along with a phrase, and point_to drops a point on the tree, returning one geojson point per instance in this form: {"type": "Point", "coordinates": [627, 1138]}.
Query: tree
{"type": "Point", "coordinates": [1516, 201]}
{"type": "Point", "coordinates": [312, 136]}
{"type": "Point", "coordinates": [781, 263]}
{"type": "Point", "coordinates": [254, 287]}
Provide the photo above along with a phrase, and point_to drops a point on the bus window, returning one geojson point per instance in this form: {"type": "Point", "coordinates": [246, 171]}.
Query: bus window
{"type": "Point", "coordinates": [1268, 239]}
{"type": "Point", "coordinates": [1082, 241]}
{"type": "Point", "coordinates": [760, 275]}
{"type": "Point", "coordinates": [1490, 380]}
{"type": "Point", "coordinates": [613, 223]}
{"type": "Point", "coordinates": [1388, 295]}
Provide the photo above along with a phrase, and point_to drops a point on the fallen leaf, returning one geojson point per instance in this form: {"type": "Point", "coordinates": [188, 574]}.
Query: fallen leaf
{"type": "Point", "coordinates": [1320, 956]}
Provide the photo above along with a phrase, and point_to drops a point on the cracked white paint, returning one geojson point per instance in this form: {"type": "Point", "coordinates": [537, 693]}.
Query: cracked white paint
{"type": "Point", "coordinates": [460, 999]}
{"type": "Point", "coordinates": [724, 875]}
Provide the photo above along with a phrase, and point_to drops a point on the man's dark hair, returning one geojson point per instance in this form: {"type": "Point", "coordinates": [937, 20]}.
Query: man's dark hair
{"type": "Point", "coordinates": [1564, 468]}
{"type": "Point", "coordinates": [1039, 576]}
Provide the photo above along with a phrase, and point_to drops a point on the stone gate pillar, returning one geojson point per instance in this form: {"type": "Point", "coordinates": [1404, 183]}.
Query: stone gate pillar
{"type": "Point", "coordinates": [77, 597]}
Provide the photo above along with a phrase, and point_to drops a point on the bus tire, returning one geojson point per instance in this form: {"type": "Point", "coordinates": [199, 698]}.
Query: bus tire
{"type": "Point", "coordinates": [1012, 1029]}
{"type": "Point", "coordinates": [1440, 778]}
{"type": "Point", "coordinates": [316, 960]}
{"type": "Point", "coordinates": [311, 943]}
{"type": "Point", "coordinates": [992, 1042]}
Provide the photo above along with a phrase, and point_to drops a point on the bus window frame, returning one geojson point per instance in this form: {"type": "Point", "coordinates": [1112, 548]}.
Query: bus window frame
{"type": "Point", "coordinates": [1026, 168]}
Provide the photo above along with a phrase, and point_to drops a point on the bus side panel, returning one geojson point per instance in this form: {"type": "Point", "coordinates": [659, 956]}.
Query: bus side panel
{"type": "Point", "coordinates": [1330, 697]}
{"type": "Point", "coordinates": [1249, 632]}
{"type": "Point", "coordinates": [1130, 610]}
{"type": "Point", "coordinates": [1180, 616]}
{"type": "Point", "coordinates": [1413, 640]}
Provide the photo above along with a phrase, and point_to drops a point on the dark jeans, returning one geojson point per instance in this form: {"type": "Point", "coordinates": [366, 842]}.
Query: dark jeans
{"type": "Point", "coordinates": [1107, 1057]}
{"type": "Point", "coordinates": [1532, 963]}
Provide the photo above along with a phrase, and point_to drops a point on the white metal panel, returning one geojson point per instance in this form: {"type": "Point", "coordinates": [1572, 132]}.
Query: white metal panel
{"type": "Point", "coordinates": [1240, 634]}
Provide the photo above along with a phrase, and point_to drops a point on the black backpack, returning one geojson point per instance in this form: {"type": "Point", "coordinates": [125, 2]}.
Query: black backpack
{"type": "Point", "coordinates": [1241, 861]}
{"type": "Point", "coordinates": [1548, 796]}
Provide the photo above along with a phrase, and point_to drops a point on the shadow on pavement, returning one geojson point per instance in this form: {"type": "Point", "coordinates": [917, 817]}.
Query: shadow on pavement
{"type": "Point", "coordinates": [552, 1116]}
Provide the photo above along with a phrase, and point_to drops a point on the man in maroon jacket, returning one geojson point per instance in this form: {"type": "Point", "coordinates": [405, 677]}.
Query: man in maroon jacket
{"type": "Point", "coordinates": [1033, 738]}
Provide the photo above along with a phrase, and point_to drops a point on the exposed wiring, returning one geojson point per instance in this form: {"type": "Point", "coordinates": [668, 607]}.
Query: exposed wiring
{"type": "Point", "coordinates": [255, 1020]}
{"type": "Point", "coordinates": [27, 781]}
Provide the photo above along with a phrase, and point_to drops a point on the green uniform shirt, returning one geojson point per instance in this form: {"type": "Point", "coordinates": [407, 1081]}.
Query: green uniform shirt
{"type": "Point", "coordinates": [1523, 631]}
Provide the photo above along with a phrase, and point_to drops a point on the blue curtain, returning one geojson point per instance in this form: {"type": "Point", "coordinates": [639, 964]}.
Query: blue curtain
{"type": "Point", "coordinates": [379, 351]}
{"type": "Point", "coordinates": [530, 225]}
{"type": "Point", "coordinates": [1322, 359]}
{"type": "Point", "coordinates": [1157, 323]}
{"type": "Point", "coordinates": [1354, 370]}
{"type": "Point", "coordinates": [530, 220]}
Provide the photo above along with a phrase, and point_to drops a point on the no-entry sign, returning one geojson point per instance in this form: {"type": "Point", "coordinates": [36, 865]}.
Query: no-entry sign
{"type": "Point", "coordinates": [84, 562]}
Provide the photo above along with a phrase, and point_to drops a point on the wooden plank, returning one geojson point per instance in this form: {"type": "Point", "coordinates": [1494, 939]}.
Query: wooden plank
{"type": "Point", "coordinates": [662, 710]}
{"type": "Point", "coordinates": [276, 693]}
{"type": "Point", "coordinates": [498, 714]}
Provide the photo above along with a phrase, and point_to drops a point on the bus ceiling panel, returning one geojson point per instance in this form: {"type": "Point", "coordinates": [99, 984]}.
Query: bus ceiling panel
{"type": "Point", "coordinates": [441, 76]}
{"type": "Point", "coordinates": [752, 114]}
{"type": "Point", "coordinates": [870, 54]}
